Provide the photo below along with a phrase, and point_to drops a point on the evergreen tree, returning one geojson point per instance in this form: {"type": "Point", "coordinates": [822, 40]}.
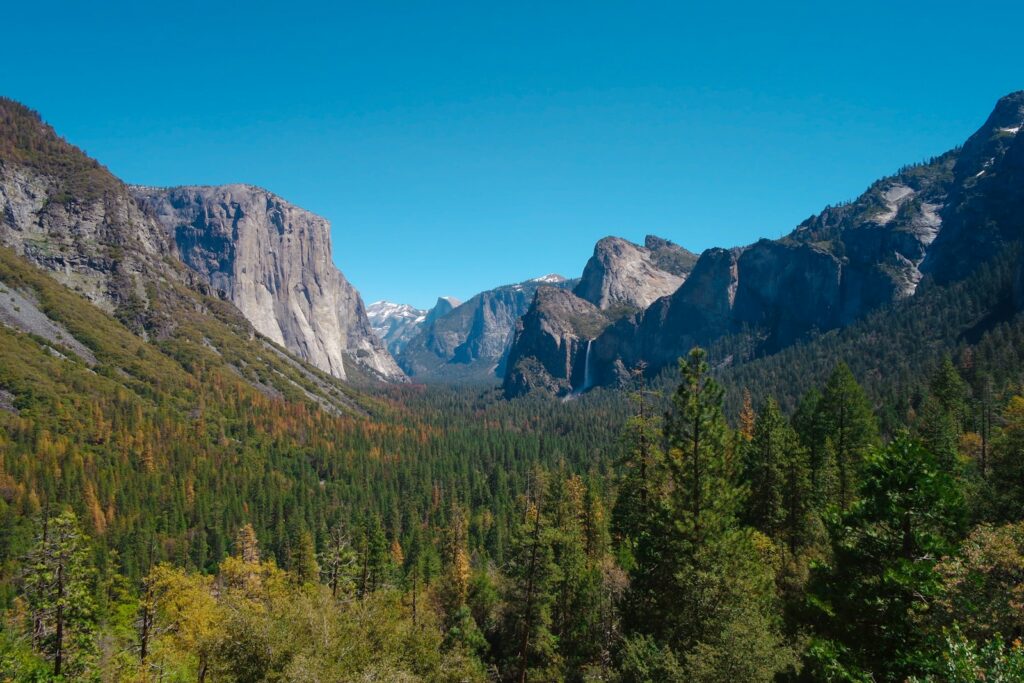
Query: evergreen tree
{"type": "Point", "coordinates": [939, 433]}
{"type": "Point", "coordinates": [778, 474]}
{"type": "Point", "coordinates": [338, 562]}
{"type": "Point", "coordinates": [58, 590]}
{"type": "Point", "coordinates": [951, 392]}
{"type": "Point", "coordinates": [373, 556]}
{"type": "Point", "coordinates": [303, 559]}
{"type": "Point", "coordinates": [530, 647]}
{"type": "Point", "coordinates": [576, 608]}
{"type": "Point", "coordinates": [882, 575]}
{"type": "Point", "coordinates": [698, 584]}
{"type": "Point", "coordinates": [846, 419]}
{"type": "Point", "coordinates": [1007, 468]}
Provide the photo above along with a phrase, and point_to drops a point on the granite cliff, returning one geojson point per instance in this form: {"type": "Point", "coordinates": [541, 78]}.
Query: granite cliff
{"type": "Point", "coordinates": [272, 260]}
{"type": "Point", "coordinates": [939, 219]}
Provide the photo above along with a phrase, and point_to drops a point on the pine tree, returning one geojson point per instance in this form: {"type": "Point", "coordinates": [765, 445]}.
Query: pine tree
{"type": "Point", "coordinates": [848, 421]}
{"type": "Point", "coordinates": [576, 608]}
{"type": "Point", "coordinates": [778, 474]}
{"type": "Point", "coordinates": [373, 556]}
{"type": "Point", "coordinates": [58, 591]}
{"type": "Point", "coordinates": [338, 561]}
{"type": "Point", "coordinates": [748, 417]}
{"type": "Point", "coordinates": [530, 645]}
{"type": "Point", "coordinates": [938, 431]}
{"type": "Point", "coordinates": [303, 560]}
{"type": "Point", "coordinates": [631, 514]}
{"type": "Point", "coordinates": [698, 584]}
{"type": "Point", "coordinates": [882, 575]}
{"type": "Point", "coordinates": [771, 443]}
{"type": "Point", "coordinates": [951, 392]}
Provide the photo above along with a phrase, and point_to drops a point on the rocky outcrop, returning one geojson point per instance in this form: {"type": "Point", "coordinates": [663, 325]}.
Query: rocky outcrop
{"type": "Point", "coordinates": [940, 219]}
{"type": "Point", "coordinates": [552, 345]}
{"type": "Point", "coordinates": [625, 276]}
{"type": "Point", "coordinates": [471, 342]}
{"type": "Point", "coordinates": [67, 214]}
{"type": "Point", "coordinates": [985, 210]}
{"type": "Point", "coordinates": [396, 324]}
{"type": "Point", "coordinates": [272, 260]}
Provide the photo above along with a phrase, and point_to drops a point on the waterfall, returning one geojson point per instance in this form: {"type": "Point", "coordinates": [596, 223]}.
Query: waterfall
{"type": "Point", "coordinates": [586, 367]}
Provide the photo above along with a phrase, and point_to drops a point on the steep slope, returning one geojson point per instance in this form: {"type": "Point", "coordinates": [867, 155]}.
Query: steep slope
{"type": "Point", "coordinates": [623, 275]}
{"type": "Point", "coordinates": [66, 214]}
{"type": "Point", "coordinates": [273, 261]}
{"type": "Point", "coordinates": [395, 324]}
{"type": "Point", "coordinates": [620, 279]}
{"type": "Point", "coordinates": [551, 348]}
{"type": "Point", "coordinates": [985, 210]}
{"type": "Point", "coordinates": [470, 343]}
{"type": "Point", "coordinates": [941, 219]}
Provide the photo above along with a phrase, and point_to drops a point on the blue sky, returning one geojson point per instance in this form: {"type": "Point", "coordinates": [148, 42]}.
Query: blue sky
{"type": "Point", "coordinates": [458, 146]}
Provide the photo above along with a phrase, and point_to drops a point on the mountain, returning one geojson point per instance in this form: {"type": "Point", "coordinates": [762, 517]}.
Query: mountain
{"type": "Point", "coordinates": [395, 324]}
{"type": "Point", "coordinates": [66, 213]}
{"type": "Point", "coordinates": [551, 350]}
{"type": "Point", "coordinates": [470, 342]}
{"type": "Point", "coordinates": [623, 275]}
{"type": "Point", "coordinates": [129, 309]}
{"type": "Point", "coordinates": [272, 260]}
{"type": "Point", "coordinates": [620, 279]}
{"type": "Point", "coordinates": [939, 220]}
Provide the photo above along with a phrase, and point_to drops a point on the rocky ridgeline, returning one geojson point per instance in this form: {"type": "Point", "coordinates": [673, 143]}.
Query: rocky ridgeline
{"type": "Point", "coordinates": [131, 250]}
{"type": "Point", "coordinates": [470, 343]}
{"type": "Point", "coordinates": [940, 219]}
{"type": "Point", "coordinates": [396, 324]}
{"type": "Point", "coordinates": [272, 260]}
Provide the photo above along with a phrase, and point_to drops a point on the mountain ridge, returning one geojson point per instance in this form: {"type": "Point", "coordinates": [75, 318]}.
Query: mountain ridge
{"type": "Point", "coordinates": [938, 219]}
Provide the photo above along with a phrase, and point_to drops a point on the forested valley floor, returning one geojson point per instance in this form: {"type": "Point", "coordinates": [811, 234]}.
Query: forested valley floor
{"type": "Point", "coordinates": [804, 517]}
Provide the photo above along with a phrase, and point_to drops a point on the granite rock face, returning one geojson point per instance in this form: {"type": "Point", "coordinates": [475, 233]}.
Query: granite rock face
{"type": "Point", "coordinates": [470, 343]}
{"type": "Point", "coordinates": [69, 215]}
{"type": "Point", "coordinates": [272, 260]}
{"type": "Point", "coordinates": [620, 280]}
{"type": "Point", "coordinates": [395, 324]}
{"type": "Point", "coordinates": [623, 275]}
{"type": "Point", "coordinates": [552, 345]}
{"type": "Point", "coordinates": [940, 219]}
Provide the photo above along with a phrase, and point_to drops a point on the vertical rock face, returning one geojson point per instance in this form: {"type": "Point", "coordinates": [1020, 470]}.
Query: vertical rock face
{"type": "Point", "coordinates": [623, 275]}
{"type": "Point", "coordinates": [940, 219]}
{"type": "Point", "coordinates": [471, 342]}
{"type": "Point", "coordinates": [272, 260]}
{"type": "Point", "coordinates": [396, 324]}
{"type": "Point", "coordinates": [619, 281]}
{"type": "Point", "coordinates": [551, 343]}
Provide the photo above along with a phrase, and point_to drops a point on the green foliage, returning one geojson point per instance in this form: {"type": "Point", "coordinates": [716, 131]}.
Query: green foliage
{"type": "Point", "coordinates": [701, 585]}
{"type": "Point", "coordinates": [849, 430]}
{"type": "Point", "coordinates": [26, 140]}
{"type": "Point", "coordinates": [58, 588]}
{"type": "Point", "coordinates": [882, 577]}
{"type": "Point", "coordinates": [530, 646]}
{"type": "Point", "coordinates": [968, 661]}
{"type": "Point", "coordinates": [983, 584]}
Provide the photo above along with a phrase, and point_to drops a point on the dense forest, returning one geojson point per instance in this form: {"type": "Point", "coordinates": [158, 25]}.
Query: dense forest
{"type": "Point", "coordinates": [161, 519]}
{"type": "Point", "coordinates": [181, 500]}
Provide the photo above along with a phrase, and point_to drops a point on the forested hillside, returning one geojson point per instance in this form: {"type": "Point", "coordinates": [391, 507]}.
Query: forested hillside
{"type": "Point", "coordinates": [182, 499]}
{"type": "Point", "coordinates": [453, 535]}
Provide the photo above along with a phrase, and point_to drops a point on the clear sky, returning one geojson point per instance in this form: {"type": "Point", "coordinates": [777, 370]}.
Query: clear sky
{"type": "Point", "coordinates": [458, 146]}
